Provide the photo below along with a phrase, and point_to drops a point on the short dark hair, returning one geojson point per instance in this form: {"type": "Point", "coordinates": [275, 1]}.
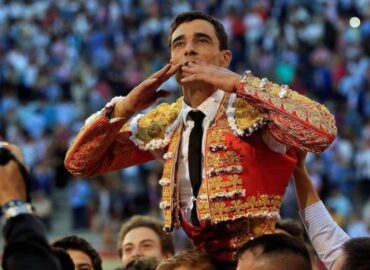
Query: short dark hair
{"type": "Point", "coordinates": [198, 15]}
{"type": "Point", "coordinates": [281, 247]}
{"type": "Point", "coordinates": [155, 224]}
{"type": "Point", "coordinates": [292, 227]}
{"type": "Point", "coordinates": [188, 258]}
{"type": "Point", "coordinates": [356, 254]}
{"type": "Point", "coordinates": [78, 243]}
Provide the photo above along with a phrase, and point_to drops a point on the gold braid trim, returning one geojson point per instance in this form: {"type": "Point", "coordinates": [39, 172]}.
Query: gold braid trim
{"type": "Point", "coordinates": [155, 129]}
{"type": "Point", "coordinates": [289, 101]}
{"type": "Point", "coordinates": [246, 115]}
{"type": "Point", "coordinates": [153, 124]}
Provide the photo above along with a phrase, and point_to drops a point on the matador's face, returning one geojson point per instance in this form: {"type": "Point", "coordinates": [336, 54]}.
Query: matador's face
{"type": "Point", "coordinates": [196, 41]}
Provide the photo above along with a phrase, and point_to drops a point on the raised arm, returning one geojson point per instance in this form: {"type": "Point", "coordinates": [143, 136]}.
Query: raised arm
{"type": "Point", "coordinates": [293, 118]}
{"type": "Point", "coordinates": [26, 246]}
{"type": "Point", "coordinates": [326, 236]}
{"type": "Point", "coordinates": [103, 144]}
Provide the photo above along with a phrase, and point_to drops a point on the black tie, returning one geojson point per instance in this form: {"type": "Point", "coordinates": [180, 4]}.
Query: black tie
{"type": "Point", "coordinates": [195, 158]}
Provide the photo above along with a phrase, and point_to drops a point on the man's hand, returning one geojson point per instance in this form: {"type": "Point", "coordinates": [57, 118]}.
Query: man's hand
{"type": "Point", "coordinates": [12, 185]}
{"type": "Point", "coordinates": [219, 77]}
{"type": "Point", "coordinates": [304, 189]}
{"type": "Point", "coordinates": [301, 161]}
{"type": "Point", "coordinates": [145, 94]}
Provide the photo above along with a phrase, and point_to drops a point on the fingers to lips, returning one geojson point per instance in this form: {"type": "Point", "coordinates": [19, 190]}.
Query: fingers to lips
{"type": "Point", "coordinates": [170, 72]}
{"type": "Point", "coordinates": [162, 71]}
{"type": "Point", "coordinates": [166, 72]}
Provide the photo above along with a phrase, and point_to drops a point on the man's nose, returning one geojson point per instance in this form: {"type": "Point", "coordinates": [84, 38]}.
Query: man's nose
{"type": "Point", "coordinates": [137, 252]}
{"type": "Point", "coordinates": [190, 49]}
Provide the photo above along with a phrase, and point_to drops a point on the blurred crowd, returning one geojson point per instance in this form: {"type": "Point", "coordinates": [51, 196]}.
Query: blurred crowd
{"type": "Point", "coordinates": [61, 61]}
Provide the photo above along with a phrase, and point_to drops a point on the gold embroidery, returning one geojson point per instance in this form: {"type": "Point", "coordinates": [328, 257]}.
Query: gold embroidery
{"type": "Point", "coordinates": [292, 103]}
{"type": "Point", "coordinates": [126, 127]}
{"type": "Point", "coordinates": [245, 114]}
{"type": "Point", "coordinates": [223, 107]}
{"type": "Point", "coordinates": [224, 184]}
{"type": "Point", "coordinates": [261, 206]}
{"type": "Point", "coordinates": [168, 192]}
{"type": "Point", "coordinates": [216, 136]}
{"type": "Point", "coordinates": [221, 160]}
{"type": "Point", "coordinates": [153, 125]}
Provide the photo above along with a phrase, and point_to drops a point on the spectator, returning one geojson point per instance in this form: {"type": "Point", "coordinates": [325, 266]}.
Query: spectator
{"type": "Point", "coordinates": [83, 255]}
{"type": "Point", "coordinates": [25, 236]}
{"type": "Point", "coordinates": [290, 227]}
{"type": "Point", "coordinates": [79, 199]}
{"type": "Point", "coordinates": [142, 263]}
{"type": "Point", "coordinates": [144, 236]}
{"type": "Point", "coordinates": [64, 258]}
{"type": "Point", "coordinates": [332, 244]}
{"type": "Point", "coordinates": [274, 252]}
{"type": "Point", "coordinates": [187, 260]}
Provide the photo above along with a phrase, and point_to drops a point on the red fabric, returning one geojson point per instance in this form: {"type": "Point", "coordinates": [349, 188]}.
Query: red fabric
{"type": "Point", "coordinates": [264, 173]}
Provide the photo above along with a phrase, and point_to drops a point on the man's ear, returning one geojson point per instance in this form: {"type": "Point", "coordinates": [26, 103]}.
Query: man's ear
{"type": "Point", "coordinates": [226, 58]}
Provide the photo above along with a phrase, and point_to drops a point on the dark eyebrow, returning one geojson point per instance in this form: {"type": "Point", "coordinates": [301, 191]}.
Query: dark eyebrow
{"type": "Point", "coordinates": [202, 35]}
{"type": "Point", "coordinates": [83, 265]}
{"type": "Point", "coordinates": [178, 38]}
{"type": "Point", "coordinates": [197, 35]}
{"type": "Point", "coordinates": [147, 241]}
{"type": "Point", "coordinates": [128, 244]}
{"type": "Point", "coordinates": [142, 241]}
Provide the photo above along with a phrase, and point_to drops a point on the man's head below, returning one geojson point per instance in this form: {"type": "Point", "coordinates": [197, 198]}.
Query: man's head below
{"type": "Point", "coordinates": [274, 252]}
{"type": "Point", "coordinates": [355, 255]}
{"type": "Point", "coordinates": [187, 260]}
{"type": "Point", "coordinates": [144, 236]}
{"type": "Point", "coordinates": [83, 255]}
{"type": "Point", "coordinates": [290, 227]}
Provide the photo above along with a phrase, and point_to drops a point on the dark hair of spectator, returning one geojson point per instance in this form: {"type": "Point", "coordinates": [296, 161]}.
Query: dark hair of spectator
{"type": "Point", "coordinates": [142, 263]}
{"type": "Point", "coordinates": [77, 243]}
{"type": "Point", "coordinates": [65, 260]}
{"type": "Point", "coordinates": [197, 15]}
{"type": "Point", "coordinates": [292, 227]}
{"type": "Point", "coordinates": [357, 254]}
{"type": "Point", "coordinates": [156, 225]}
{"type": "Point", "coordinates": [285, 248]}
{"type": "Point", "coordinates": [188, 258]}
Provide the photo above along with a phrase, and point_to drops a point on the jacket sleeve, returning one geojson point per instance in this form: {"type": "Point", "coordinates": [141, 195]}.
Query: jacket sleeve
{"type": "Point", "coordinates": [102, 146]}
{"type": "Point", "coordinates": [293, 119]}
{"type": "Point", "coordinates": [26, 245]}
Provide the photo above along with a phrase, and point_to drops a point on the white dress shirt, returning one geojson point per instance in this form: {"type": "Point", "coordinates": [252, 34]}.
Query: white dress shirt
{"type": "Point", "coordinates": [209, 107]}
{"type": "Point", "coordinates": [326, 236]}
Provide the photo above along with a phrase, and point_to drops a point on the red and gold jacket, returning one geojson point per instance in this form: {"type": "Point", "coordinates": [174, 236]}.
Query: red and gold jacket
{"type": "Point", "coordinates": [244, 179]}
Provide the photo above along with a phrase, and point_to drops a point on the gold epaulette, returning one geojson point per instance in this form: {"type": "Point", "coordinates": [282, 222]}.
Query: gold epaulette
{"type": "Point", "coordinates": [246, 116]}
{"type": "Point", "coordinates": [154, 126]}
